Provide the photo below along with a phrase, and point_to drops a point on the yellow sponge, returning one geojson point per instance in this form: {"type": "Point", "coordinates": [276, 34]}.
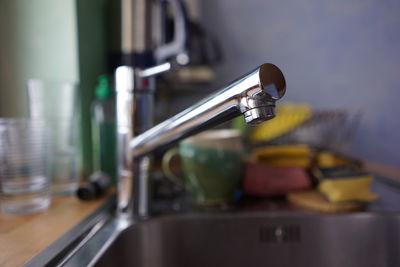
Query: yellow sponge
{"type": "Point", "coordinates": [347, 189]}
{"type": "Point", "coordinates": [326, 159]}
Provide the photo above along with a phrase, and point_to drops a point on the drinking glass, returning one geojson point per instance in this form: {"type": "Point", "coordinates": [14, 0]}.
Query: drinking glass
{"type": "Point", "coordinates": [55, 102]}
{"type": "Point", "coordinates": [24, 176]}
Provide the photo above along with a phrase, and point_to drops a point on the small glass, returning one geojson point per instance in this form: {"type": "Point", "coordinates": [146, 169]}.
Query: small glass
{"type": "Point", "coordinates": [24, 179]}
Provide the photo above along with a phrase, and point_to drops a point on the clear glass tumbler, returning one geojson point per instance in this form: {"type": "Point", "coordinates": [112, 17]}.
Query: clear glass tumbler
{"type": "Point", "coordinates": [55, 102]}
{"type": "Point", "coordinates": [24, 177]}
{"type": "Point", "coordinates": [63, 168]}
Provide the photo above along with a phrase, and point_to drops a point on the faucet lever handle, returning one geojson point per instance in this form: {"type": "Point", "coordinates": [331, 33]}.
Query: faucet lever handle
{"type": "Point", "coordinates": [155, 70]}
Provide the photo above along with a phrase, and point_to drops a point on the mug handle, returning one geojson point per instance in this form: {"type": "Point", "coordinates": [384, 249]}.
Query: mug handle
{"type": "Point", "coordinates": [166, 166]}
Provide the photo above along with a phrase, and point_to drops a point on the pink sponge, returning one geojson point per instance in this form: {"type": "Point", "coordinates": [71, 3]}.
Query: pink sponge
{"type": "Point", "coordinates": [263, 180]}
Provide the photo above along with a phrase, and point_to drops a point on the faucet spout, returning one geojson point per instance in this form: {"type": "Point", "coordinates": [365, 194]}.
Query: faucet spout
{"type": "Point", "coordinates": [254, 95]}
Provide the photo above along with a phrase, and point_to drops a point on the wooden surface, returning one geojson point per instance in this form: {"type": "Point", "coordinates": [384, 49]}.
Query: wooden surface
{"type": "Point", "coordinates": [312, 199]}
{"type": "Point", "coordinates": [23, 236]}
{"type": "Point", "coordinates": [389, 171]}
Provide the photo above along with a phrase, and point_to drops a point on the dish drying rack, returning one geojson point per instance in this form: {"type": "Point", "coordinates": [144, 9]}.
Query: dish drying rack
{"type": "Point", "coordinates": [326, 129]}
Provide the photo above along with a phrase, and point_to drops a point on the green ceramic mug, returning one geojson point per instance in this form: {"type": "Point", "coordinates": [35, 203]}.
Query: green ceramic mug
{"type": "Point", "coordinates": [211, 163]}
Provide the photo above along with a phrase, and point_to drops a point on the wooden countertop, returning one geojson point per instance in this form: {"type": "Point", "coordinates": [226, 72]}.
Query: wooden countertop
{"type": "Point", "coordinates": [24, 236]}
{"type": "Point", "coordinates": [383, 169]}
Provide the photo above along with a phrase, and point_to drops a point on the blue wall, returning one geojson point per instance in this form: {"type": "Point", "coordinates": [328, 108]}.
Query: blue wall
{"type": "Point", "coordinates": [343, 54]}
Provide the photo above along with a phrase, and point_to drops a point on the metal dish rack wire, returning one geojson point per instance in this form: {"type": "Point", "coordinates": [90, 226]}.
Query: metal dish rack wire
{"type": "Point", "coordinates": [325, 129]}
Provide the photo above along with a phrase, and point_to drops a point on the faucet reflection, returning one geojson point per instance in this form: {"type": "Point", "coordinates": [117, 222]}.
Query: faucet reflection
{"type": "Point", "coordinates": [254, 96]}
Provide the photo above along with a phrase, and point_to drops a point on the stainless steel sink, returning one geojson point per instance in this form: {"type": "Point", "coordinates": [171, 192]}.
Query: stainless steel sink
{"type": "Point", "coordinates": [259, 239]}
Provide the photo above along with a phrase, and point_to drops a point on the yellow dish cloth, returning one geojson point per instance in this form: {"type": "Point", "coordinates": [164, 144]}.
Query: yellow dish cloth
{"type": "Point", "coordinates": [347, 189]}
{"type": "Point", "coordinates": [284, 155]}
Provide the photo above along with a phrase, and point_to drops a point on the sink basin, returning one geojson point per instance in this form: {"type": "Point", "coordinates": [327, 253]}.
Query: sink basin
{"type": "Point", "coordinates": [259, 239]}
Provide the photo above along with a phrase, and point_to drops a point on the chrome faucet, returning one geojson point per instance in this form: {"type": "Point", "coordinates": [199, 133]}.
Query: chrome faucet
{"type": "Point", "coordinates": [254, 96]}
{"type": "Point", "coordinates": [143, 45]}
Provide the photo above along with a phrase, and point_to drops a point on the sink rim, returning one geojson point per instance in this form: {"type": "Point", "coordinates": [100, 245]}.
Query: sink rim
{"type": "Point", "coordinates": [111, 228]}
